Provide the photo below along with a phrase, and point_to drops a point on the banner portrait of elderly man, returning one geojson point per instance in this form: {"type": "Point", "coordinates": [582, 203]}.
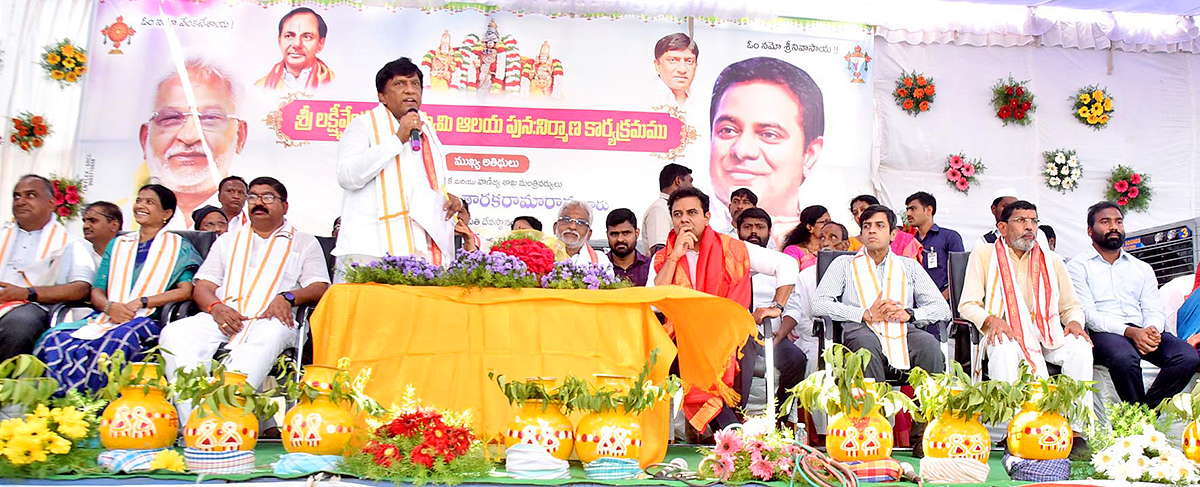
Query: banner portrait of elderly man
{"type": "Point", "coordinates": [301, 37]}
{"type": "Point", "coordinates": [189, 146]}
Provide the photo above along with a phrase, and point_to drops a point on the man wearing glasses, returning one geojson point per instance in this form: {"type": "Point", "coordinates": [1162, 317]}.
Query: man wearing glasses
{"type": "Point", "coordinates": [1020, 296]}
{"type": "Point", "coordinates": [574, 228]}
{"type": "Point", "coordinates": [190, 148]}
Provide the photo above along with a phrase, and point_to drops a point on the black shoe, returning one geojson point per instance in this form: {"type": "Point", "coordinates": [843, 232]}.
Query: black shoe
{"type": "Point", "coordinates": [1080, 451]}
{"type": "Point", "coordinates": [918, 449]}
{"type": "Point", "coordinates": [1003, 443]}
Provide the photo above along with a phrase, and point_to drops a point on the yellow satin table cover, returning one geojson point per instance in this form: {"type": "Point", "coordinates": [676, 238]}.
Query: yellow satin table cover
{"type": "Point", "coordinates": [443, 341]}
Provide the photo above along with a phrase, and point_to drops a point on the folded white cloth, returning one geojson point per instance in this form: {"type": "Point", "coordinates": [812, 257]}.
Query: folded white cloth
{"type": "Point", "coordinates": [534, 462]}
{"type": "Point", "coordinates": [954, 470]}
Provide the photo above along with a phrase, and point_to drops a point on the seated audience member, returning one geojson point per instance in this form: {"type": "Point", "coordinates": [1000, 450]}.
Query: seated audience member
{"type": "Point", "coordinates": [622, 242]}
{"type": "Point", "coordinates": [938, 241]}
{"type": "Point", "coordinates": [1124, 313]}
{"type": "Point", "coordinates": [741, 199]}
{"type": "Point", "coordinates": [1051, 238]}
{"type": "Point", "coordinates": [1019, 295]}
{"type": "Point", "coordinates": [754, 227]}
{"type": "Point", "coordinates": [882, 297]}
{"type": "Point", "coordinates": [835, 237]}
{"type": "Point", "coordinates": [232, 196]}
{"type": "Point", "coordinates": [656, 221]}
{"type": "Point", "coordinates": [42, 265]}
{"type": "Point", "coordinates": [1001, 199]}
{"type": "Point", "coordinates": [803, 241]}
{"type": "Point", "coordinates": [462, 229]}
{"type": "Point", "coordinates": [903, 244]}
{"type": "Point", "coordinates": [210, 219]}
{"type": "Point", "coordinates": [253, 319]}
{"type": "Point", "coordinates": [697, 257]}
{"type": "Point", "coordinates": [141, 271]}
{"type": "Point", "coordinates": [526, 223]}
{"type": "Point", "coordinates": [102, 221]}
{"type": "Point", "coordinates": [574, 228]}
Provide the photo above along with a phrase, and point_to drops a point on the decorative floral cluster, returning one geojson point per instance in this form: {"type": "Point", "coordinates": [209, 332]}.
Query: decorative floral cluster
{"type": "Point", "coordinates": [569, 275]}
{"type": "Point", "coordinates": [914, 93]}
{"type": "Point", "coordinates": [961, 173]}
{"type": "Point", "coordinates": [29, 131]}
{"type": "Point", "coordinates": [1063, 170]}
{"type": "Point", "coordinates": [64, 62]}
{"type": "Point", "coordinates": [405, 270]}
{"type": "Point", "coordinates": [1093, 106]}
{"type": "Point", "coordinates": [487, 269]}
{"type": "Point", "coordinates": [1145, 458]}
{"type": "Point", "coordinates": [1131, 190]}
{"type": "Point", "coordinates": [1012, 101]}
{"type": "Point", "coordinates": [41, 435]}
{"type": "Point", "coordinates": [755, 450]}
{"type": "Point", "coordinates": [538, 258]}
{"type": "Point", "coordinates": [419, 444]}
{"type": "Point", "coordinates": [67, 197]}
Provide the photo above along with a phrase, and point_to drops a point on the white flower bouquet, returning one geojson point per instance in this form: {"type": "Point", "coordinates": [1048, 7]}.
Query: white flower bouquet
{"type": "Point", "coordinates": [1145, 458]}
{"type": "Point", "coordinates": [1063, 170]}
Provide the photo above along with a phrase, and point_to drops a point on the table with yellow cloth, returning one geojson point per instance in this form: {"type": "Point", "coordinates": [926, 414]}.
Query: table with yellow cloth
{"type": "Point", "coordinates": [443, 341]}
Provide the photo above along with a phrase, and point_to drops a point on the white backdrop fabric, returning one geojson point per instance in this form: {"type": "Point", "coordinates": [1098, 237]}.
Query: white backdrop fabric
{"type": "Point", "coordinates": [1155, 130]}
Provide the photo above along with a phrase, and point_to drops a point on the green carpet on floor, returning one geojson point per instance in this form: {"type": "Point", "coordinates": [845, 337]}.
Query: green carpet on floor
{"type": "Point", "coordinates": [268, 453]}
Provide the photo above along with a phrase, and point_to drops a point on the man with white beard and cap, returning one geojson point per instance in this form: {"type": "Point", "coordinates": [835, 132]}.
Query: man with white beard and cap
{"type": "Point", "coordinates": [189, 145]}
{"type": "Point", "coordinates": [574, 228]}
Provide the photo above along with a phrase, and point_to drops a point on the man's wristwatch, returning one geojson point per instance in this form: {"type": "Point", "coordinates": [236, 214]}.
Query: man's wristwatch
{"type": "Point", "coordinates": [32, 295]}
{"type": "Point", "coordinates": [911, 316]}
{"type": "Point", "coordinates": [145, 302]}
{"type": "Point", "coordinates": [777, 305]}
{"type": "Point", "coordinates": [289, 297]}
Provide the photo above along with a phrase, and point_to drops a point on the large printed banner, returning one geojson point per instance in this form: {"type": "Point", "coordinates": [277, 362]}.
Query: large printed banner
{"type": "Point", "coordinates": [532, 110]}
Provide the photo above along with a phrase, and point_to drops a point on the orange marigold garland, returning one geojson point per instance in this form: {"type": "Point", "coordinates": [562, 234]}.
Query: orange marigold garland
{"type": "Point", "coordinates": [64, 62]}
{"type": "Point", "coordinates": [1013, 101]}
{"type": "Point", "coordinates": [29, 131]}
{"type": "Point", "coordinates": [914, 92]}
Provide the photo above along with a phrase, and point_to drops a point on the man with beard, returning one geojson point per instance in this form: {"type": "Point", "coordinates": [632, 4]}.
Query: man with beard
{"type": "Point", "coordinates": [754, 226]}
{"type": "Point", "coordinates": [1020, 295]}
{"type": "Point", "coordinates": [699, 258]}
{"type": "Point", "coordinates": [189, 145]}
{"type": "Point", "coordinates": [622, 242]}
{"type": "Point", "coordinates": [574, 228]}
{"type": "Point", "coordinates": [247, 287]}
{"type": "Point", "coordinates": [1125, 315]}
{"type": "Point", "coordinates": [301, 37]}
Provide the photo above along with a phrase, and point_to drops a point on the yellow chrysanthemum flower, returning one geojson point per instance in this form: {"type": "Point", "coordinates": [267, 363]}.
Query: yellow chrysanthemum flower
{"type": "Point", "coordinates": [34, 427]}
{"type": "Point", "coordinates": [1091, 120]}
{"type": "Point", "coordinates": [7, 427]}
{"type": "Point", "coordinates": [68, 50]}
{"type": "Point", "coordinates": [70, 422]}
{"type": "Point", "coordinates": [1096, 110]}
{"type": "Point", "coordinates": [57, 445]}
{"type": "Point", "coordinates": [1104, 119]}
{"type": "Point", "coordinates": [1083, 112]}
{"type": "Point", "coordinates": [168, 460]}
{"type": "Point", "coordinates": [23, 451]}
{"type": "Point", "coordinates": [1098, 106]}
{"type": "Point", "coordinates": [78, 71]}
{"type": "Point", "coordinates": [71, 77]}
{"type": "Point", "coordinates": [53, 58]}
{"type": "Point", "coordinates": [1098, 95]}
{"type": "Point", "coordinates": [81, 57]}
{"type": "Point", "coordinates": [56, 74]}
{"type": "Point", "coordinates": [1085, 98]}
{"type": "Point", "coordinates": [69, 63]}
{"type": "Point", "coordinates": [1108, 104]}
{"type": "Point", "coordinates": [42, 411]}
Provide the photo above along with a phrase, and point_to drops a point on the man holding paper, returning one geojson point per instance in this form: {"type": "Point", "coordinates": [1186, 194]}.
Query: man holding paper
{"type": "Point", "coordinates": [392, 168]}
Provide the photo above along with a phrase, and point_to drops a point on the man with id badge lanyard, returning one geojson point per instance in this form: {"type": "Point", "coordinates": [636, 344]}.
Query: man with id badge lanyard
{"type": "Point", "coordinates": [919, 208]}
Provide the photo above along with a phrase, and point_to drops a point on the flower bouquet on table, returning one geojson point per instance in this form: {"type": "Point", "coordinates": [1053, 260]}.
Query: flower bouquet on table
{"type": "Point", "coordinates": [754, 450]}
{"type": "Point", "coordinates": [1013, 101]}
{"type": "Point", "coordinates": [1129, 189]}
{"type": "Point", "coordinates": [403, 270]}
{"type": "Point", "coordinates": [1063, 170]}
{"type": "Point", "coordinates": [29, 131]}
{"type": "Point", "coordinates": [537, 250]}
{"type": "Point", "coordinates": [420, 445]}
{"type": "Point", "coordinates": [1092, 106]}
{"type": "Point", "coordinates": [962, 173]}
{"type": "Point", "coordinates": [1145, 457]}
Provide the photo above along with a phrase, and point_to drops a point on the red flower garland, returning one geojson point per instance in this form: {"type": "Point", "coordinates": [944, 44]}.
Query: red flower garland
{"type": "Point", "coordinates": [536, 255]}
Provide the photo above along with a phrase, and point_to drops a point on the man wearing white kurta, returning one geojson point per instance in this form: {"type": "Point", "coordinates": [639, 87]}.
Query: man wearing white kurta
{"type": "Point", "coordinates": [274, 268]}
{"type": "Point", "coordinates": [394, 199]}
{"type": "Point", "coordinates": [1020, 295]}
{"type": "Point", "coordinates": [574, 228]}
{"type": "Point", "coordinates": [40, 264]}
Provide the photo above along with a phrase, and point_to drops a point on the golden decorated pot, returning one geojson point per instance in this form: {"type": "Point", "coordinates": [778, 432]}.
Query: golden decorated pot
{"type": "Point", "coordinates": [1035, 435]}
{"type": "Point", "coordinates": [228, 430]}
{"type": "Point", "coordinates": [140, 419]}
{"type": "Point", "coordinates": [614, 434]}
{"type": "Point", "coordinates": [318, 426]}
{"type": "Point", "coordinates": [1191, 441]}
{"type": "Point", "coordinates": [544, 425]}
{"type": "Point", "coordinates": [850, 438]}
{"type": "Point", "coordinates": [956, 437]}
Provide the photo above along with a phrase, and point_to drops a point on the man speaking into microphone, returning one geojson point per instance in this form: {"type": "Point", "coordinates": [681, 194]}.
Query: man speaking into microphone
{"type": "Point", "coordinates": [392, 168]}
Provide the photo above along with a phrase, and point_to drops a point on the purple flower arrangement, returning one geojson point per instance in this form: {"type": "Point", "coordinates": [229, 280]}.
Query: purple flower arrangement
{"type": "Point", "coordinates": [405, 270]}
{"type": "Point", "coordinates": [569, 275]}
{"type": "Point", "coordinates": [482, 269]}
{"type": "Point", "coordinates": [487, 269]}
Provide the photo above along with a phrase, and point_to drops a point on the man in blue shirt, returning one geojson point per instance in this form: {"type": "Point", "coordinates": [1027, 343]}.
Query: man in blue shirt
{"type": "Point", "coordinates": [938, 241]}
{"type": "Point", "coordinates": [1125, 314]}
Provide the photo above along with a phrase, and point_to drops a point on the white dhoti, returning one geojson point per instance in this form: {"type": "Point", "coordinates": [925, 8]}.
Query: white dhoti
{"type": "Point", "coordinates": [1074, 356]}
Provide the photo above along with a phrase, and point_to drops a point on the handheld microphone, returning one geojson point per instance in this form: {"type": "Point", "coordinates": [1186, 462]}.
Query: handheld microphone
{"type": "Point", "coordinates": [415, 135]}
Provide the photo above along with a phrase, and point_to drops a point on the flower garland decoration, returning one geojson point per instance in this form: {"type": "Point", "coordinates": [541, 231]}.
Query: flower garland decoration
{"type": "Point", "coordinates": [64, 62]}
{"type": "Point", "coordinates": [68, 197]}
{"type": "Point", "coordinates": [914, 92]}
{"type": "Point", "coordinates": [1129, 189]}
{"type": "Point", "coordinates": [751, 451]}
{"type": "Point", "coordinates": [570, 275]}
{"type": "Point", "coordinates": [1012, 101]}
{"type": "Point", "coordinates": [962, 173]}
{"type": "Point", "coordinates": [1063, 170]}
{"type": "Point", "coordinates": [1092, 106]}
{"type": "Point", "coordinates": [1146, 457]}
{"type": "Point", "coordinates": [420, 445]}
{"type": "Point", "coordinates": [29, 131]}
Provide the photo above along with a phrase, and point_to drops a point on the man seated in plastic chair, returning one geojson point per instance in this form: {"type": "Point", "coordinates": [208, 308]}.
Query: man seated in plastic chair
{"type": "Point", "coordinates": [247, 287]}
{"type": "Point", "coordinates": [901, 296]}
{"type": "Point", "coordinates": [1125, 315]}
